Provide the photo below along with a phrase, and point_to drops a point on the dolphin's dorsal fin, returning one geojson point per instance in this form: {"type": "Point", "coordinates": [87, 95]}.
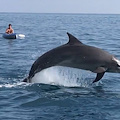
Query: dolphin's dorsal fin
{"type": "Point", "coordinates": [73, 40]}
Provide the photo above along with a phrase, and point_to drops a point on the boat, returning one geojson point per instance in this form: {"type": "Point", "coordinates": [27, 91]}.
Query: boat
{"type": "Point", "coordinates": [9, 36]}
{"type": "Point", "coordinates": [13, 36]}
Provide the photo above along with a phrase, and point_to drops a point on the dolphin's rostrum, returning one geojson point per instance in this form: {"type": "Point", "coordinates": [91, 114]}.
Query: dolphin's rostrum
{"type": "Point", "coordinates": [75, 54]}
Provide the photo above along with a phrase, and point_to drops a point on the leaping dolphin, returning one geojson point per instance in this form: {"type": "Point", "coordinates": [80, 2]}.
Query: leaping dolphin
{"type": "Point", "coordinates": [75, 54]}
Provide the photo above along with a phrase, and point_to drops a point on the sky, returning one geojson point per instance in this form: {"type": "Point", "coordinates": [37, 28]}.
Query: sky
{"type": "Point", "coordinates": [61, 6]}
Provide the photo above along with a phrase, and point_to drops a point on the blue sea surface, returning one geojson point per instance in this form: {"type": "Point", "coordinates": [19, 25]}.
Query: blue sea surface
{"type": "Point", "coordinates": [62, 93]}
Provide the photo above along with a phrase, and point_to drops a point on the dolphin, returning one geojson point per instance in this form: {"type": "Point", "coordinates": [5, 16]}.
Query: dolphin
{"type": "Point", "coordinates": [75, 54]}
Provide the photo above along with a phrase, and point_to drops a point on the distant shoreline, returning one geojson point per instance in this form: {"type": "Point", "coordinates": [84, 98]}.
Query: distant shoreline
{"type": "Point", "coordinates": [60, 13]}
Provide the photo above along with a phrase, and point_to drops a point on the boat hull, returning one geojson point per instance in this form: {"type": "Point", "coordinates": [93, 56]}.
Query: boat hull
{"type": "Point", "coordinates": [9, 36]}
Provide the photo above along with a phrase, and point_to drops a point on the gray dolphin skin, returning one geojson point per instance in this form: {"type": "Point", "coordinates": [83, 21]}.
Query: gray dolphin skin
{"type": "Point", "coordinates": [75, 54]}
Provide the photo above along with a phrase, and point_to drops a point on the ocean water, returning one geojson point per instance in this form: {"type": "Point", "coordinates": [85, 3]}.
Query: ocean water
{"type": "Point", "coordinates": [62, 93]}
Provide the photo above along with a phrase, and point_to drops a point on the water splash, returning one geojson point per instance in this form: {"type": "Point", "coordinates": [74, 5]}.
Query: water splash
{"type": "Point", "coordinates": [13, 85]}
{"type": "Point", "coordinates": [64, 76]}
{"type": "Point", "coordinates": [58, 76]}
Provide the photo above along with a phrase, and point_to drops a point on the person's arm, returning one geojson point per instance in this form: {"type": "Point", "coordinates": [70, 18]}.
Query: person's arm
{"type": "Point", "coordinates": [7, 31]}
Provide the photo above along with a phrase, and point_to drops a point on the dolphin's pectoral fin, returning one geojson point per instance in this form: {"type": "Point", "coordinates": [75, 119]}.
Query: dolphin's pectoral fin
{"type": "Point", "coordinates": [100, 73]}
{"type": "Point", "coordinates": [100, 70]}
{"type": "Point", "coordinates": [99, 76]}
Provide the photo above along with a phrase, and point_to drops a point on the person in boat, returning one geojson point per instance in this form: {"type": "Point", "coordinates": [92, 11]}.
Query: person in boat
{"type": "Point", "coordinates": [9, 30]}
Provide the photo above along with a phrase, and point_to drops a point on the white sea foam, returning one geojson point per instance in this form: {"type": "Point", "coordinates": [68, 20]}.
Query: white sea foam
{"type": "Point", "coordinates": [11, 85]}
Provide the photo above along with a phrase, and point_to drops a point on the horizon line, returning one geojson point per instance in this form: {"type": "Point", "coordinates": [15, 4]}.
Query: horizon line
{"type": "Point", "coordinates": [63, 13]}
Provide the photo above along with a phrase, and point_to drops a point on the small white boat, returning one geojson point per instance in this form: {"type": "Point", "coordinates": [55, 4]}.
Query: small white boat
{"type": "Point", "coordinates": [13, 36]}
